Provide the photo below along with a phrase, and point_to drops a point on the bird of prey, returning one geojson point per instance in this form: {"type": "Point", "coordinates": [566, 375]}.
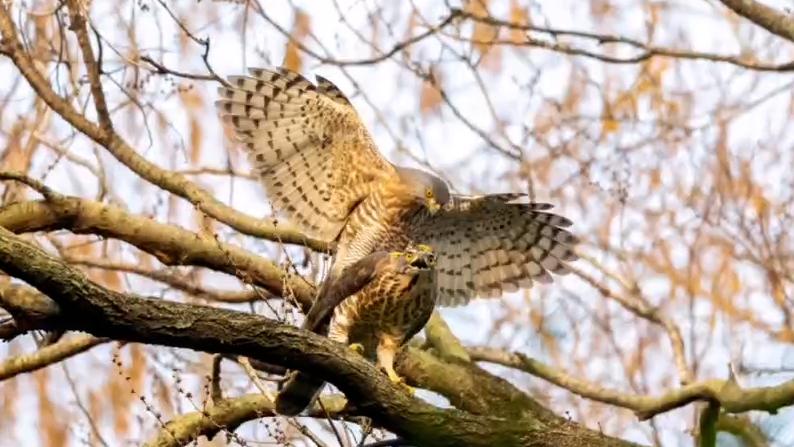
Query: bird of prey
{"type": "Point", "coordinates": [322, 170]}
{"type": "Point", "coordinates": [379, 303]}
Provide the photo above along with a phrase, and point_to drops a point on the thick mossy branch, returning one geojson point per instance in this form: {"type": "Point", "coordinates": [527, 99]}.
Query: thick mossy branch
{"type": "Point", "coordinates": [89, 307]}
{"type": "Point", "coordinates": [470, 388]}
{"type": "Point", "coordinates": [171, 244]}
{"type": "Point", "coordinates": [743, 428]}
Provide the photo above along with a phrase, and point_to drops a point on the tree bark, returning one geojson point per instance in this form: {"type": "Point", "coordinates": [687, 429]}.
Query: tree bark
{"type": "Point", "coordinates": [86, 306]}
{"type": "Point", "coordinates": [772, 20]}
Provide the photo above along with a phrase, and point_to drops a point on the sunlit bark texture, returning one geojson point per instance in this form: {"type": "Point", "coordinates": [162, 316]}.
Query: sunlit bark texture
{"type": "Point", "coordinates": [149, 295]}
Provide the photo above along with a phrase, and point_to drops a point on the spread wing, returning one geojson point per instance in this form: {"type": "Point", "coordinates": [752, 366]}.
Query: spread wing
{"type": "Point", "coordinates": [488, 245]}
{"type": "Point", "coordinates": [307, 144]}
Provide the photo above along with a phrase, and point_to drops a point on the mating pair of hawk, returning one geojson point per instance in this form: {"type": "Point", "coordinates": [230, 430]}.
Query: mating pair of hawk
{"type": "Point", "coordinates": [403, 243]}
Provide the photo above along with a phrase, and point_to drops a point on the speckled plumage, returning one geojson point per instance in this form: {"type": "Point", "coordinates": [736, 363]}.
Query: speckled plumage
{"type": "Point", "coordinates": [322, 170]}
{"type": "Point", "coordinates": [380, 303]}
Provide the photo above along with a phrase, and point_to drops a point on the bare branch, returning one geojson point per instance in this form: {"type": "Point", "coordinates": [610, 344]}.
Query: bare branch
{"type": "Point", "coordinates": [732, 397]}
{"type": "Point", "coordinates": [43, 189]}
{"type": "Point", "coordinates": [639, 307]}
{"type": "Point", "coordinates": [78, 16]}
{"type": "Point", "coordinates": [48, 355]}
{"type": "Point", "coordinates": [226, 414]}
{"type": "Point", "coordinates": [171, 245]}
{"type": "Point", "coordinates": [446, 21]}
{"type": "Point", "coordinates": [646, 51]}
{"type": "Point", "coordinates": [707, 427]}
{"type": "Point", "coordinates": [124, 153]}
{"type": "Point", "coordinates": [174, 280]}
{"type": "Point", "coordinates": [769, 18]}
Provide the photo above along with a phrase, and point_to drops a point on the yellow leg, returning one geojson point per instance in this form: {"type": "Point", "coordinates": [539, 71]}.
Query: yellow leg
{"type": "Point", "coordinates": [386, 351]}
{"type": "Point", "coordinates": [358, 348]}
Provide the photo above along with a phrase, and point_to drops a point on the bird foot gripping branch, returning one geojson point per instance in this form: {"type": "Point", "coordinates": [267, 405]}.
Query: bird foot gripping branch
{"type": "Point", "coordinates": [399, 381]}
{"type": "Point", "coordinates": [323, 172]}
{"type": "Point", "coordinates": [358, 348]}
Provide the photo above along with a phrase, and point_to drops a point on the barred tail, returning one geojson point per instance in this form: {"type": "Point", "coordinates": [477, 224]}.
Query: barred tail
{"type": "Point", "coordinates": [298, 393]}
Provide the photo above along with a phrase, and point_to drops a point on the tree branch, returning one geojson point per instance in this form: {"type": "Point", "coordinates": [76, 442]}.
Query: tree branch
{"type": "Point", "coordinates": [171, 245]}
{"type": "Point", "coordinates": [742, 428]}
{"type": "Point", "coordinates": [227, 414]}
{"type": "Point", "coordinates": [729, 395]}
{"type": "Point", "coordinates": [104, 313]}
{"type": "Point", "coordinates": [172, 182]}
{"type": "Point", "coordinates": [766, 17]}
{"type": "Point", "coordinates": [78, 17]}
{"type": "Point", "coordinates": [172, 279]}
{"type": "Point", "coordinates": [645, 51]}
{"type": "Point", "coordinates": [642, 309]}
{"type": "Point", "coordinates": [46, 356]}
{"type": "Point", "coordinates": [707, 426]}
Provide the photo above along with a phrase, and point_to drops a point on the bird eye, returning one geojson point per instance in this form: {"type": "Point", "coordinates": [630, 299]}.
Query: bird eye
{"type": "Point", "coordinates": [429, 193]}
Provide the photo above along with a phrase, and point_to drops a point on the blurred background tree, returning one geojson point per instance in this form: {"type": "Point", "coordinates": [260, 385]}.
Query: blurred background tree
{"type": "Point", "coordinates": [660, 127]}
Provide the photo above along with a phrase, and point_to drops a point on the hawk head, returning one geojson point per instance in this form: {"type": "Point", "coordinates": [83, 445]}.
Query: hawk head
{"type": "Point", "coordinates": [428, 189]}
{"type": "Point", "coordinates": [416, 258]}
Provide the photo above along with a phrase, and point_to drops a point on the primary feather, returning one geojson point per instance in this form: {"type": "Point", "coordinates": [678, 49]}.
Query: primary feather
{"type": "Point", "coordinates": [321, 168]}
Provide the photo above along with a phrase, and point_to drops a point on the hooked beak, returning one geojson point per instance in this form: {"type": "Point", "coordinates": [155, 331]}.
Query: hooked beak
{"type": "Point", "coordinates": [422, 257]}
{"type": "Point", "coordinates": [432, 205]}
{"type": "Point", "coordinates": [424, 260]}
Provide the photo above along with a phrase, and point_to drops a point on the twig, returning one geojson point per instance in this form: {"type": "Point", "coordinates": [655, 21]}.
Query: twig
{"type": "Point", "coordinates": [124, 153]}
{"type": "Point", "coordinates": [732, 397]}
{"type": "Point", "coordinates": [216, 395]}
{"type": "Point", "coordinates": [77, 16]}
{"type": "Point", "coordinates": [46, 356]}
{"type": "Point", "coordinates": [648, 51]}
{"type": "Point", "coordinates": [43, 189]}
{"type": "Point", "coordinates": [172, 280]}
{"type": "Point", "coordinates": [83, 409]}
{"type": "Point", "coordinates": [162, 69]}
{"type": "Point", "coordinates": [447, 20]}
{"type": "Point", "coordinates": [252, 374]}
{"type": "Point", "coordinates": [639, 307]}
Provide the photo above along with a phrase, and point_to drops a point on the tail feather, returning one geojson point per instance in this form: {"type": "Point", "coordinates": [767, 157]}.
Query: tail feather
{"type": "Point", "coordinates": [298, 393]}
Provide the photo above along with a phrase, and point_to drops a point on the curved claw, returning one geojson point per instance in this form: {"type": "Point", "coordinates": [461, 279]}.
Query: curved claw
{"type": "Point", "coordinates": [358, 348]}
{"type": "Point", "coordinates": [397, 380]}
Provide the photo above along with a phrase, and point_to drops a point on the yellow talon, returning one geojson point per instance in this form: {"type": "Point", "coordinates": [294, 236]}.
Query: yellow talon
{"type": "Point", "coordinates": [358, 348]}
{"type": "Point", "coordinates": [397, 380]}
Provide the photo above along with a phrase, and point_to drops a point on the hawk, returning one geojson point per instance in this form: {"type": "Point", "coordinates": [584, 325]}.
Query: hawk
{"type": "Point", "coordinates": [382, 301]}
{"type": "Point", "coordinates": [322, 170]}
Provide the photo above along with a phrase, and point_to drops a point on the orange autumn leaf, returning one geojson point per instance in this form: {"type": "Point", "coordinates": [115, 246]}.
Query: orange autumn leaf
{"type": "Point", "coordinates": [609, 126]}
{"type": "Point", "coordinates": [484, 34]}
{"type": "Point", "coordinates": [430, 97]}
{"type": "Point", "coordinates": [300, 29]}
{"type": "Point", "coordinates": [519, 15]}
